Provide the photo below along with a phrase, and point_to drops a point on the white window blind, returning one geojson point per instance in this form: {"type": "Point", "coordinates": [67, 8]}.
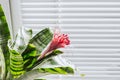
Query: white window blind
{"type": "Point", "coordinates": [93, 27]}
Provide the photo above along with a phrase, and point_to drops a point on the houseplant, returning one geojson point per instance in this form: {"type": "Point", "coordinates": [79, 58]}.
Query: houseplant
{"type": "Point", "coordinates": [28, 57]}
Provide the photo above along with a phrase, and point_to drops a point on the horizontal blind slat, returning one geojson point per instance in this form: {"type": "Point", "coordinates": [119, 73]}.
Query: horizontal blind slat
{"type": "Point", "coordinates": [93, 27]}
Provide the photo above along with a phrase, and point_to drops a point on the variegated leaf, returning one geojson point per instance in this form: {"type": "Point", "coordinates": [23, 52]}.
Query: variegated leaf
{"type": "Point", "coordinates": [4, 36]}
{"type": "Point", "coordinates": [41, 39]}
{"type": "Point", "coordinates": [29, 57]}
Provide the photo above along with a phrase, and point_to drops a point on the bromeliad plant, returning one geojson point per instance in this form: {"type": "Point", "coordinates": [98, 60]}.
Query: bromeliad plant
{"type": "Point", "coordinates": [27, 57]}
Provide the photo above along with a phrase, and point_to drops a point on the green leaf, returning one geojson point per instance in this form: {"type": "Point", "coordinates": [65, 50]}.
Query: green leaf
{"type": "Point", "coordinates": [4, 36]}
{"type": "Point", "coordinates": [4, 30]}
{"type": "Point", "coordinates": [46, 58]}
{"type": "Point", "coordinates": [41, 40]}
{"type": "Point", "coordinates": [16, 64]}
{"type": "Point", "coordinates": [36, 73]}
{"type": "Point", "coordinates": [29, 56]}
{"type": "Point", "coordinates": [57, 70]}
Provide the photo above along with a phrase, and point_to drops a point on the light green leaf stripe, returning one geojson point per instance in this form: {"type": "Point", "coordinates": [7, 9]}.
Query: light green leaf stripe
{"type": "Point", "coordinates": [16, 64]}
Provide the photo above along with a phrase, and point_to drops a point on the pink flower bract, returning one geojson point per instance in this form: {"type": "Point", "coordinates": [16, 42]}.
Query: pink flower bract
{"type": "Point", "coordinates": [58, 41]}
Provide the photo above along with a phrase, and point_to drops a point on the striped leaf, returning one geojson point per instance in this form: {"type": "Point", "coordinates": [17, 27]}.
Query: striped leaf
{"type": "Point", "coordinates": [29, 56]}
{"type": "Point", "coordinates": [31, 75]}
{"type": "Point", "coordinates": [41, 39]}
{"type": "Point", "coordinates": [57, 70]}
{"type": "Point", "coordinates": [4, 36]}
{"type": "Point", "coordinates": [16, 64]}
{"type": "Point", "coordinates": [4, 30]}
